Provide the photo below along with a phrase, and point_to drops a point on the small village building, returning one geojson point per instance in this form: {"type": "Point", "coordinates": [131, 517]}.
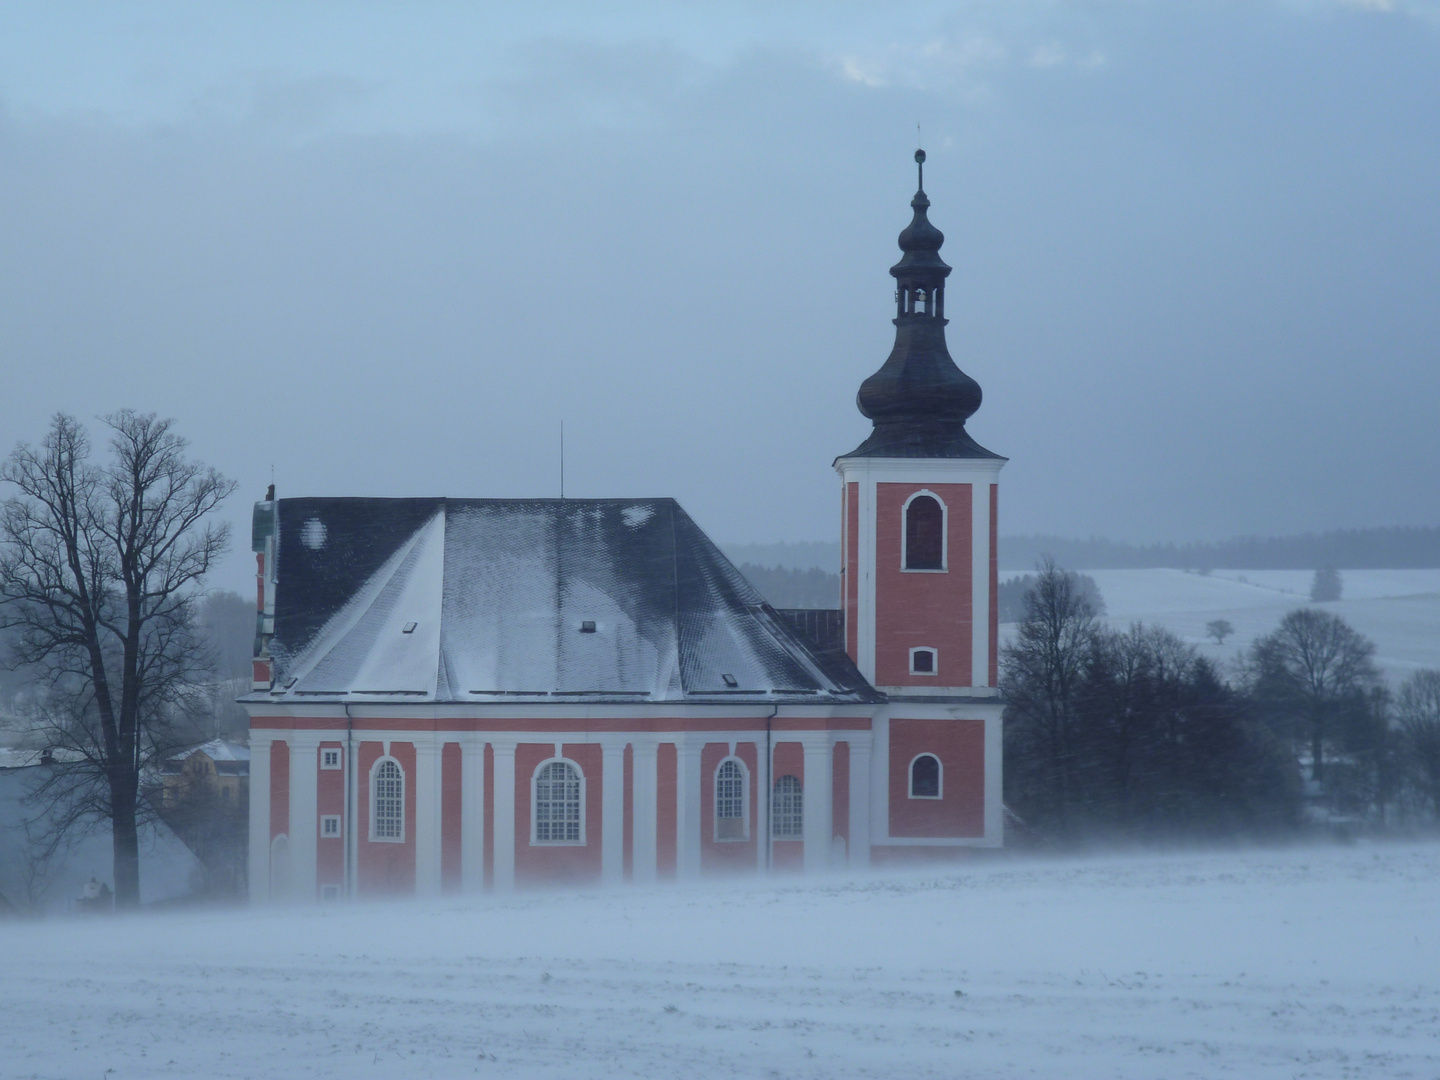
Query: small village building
{"type": "Point", "coordinates": [467, 694]}
{"type": "Point", "coordinates": [213, 772]}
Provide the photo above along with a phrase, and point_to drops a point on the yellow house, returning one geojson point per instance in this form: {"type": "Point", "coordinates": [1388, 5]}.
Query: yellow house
{"type": "Point", "coordinates": [216, 770]}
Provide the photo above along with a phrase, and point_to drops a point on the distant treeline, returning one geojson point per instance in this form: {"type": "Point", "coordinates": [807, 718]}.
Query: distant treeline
{"type": "Point", "coordinates": [801, 555]}
{"type": "Point", "coordinates": [1400, 548]}
{"type": "Point", "coordinates": [786, 587]}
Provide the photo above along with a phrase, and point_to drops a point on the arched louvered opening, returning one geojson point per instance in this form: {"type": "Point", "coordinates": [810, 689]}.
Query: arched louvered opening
{"type": "Point", "coordinates": [924, 534]}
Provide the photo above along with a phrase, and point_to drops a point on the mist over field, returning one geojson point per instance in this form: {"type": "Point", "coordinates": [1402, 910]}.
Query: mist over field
{"type": "Point", "coordinates": [1315, 962]}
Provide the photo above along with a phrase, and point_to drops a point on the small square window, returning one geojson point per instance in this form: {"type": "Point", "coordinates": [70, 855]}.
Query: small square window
{"type": "Point", "coordinates": [330, 825]}
{"type": "Point", "coordinates": [329, 759]}
{"type": "Point", "coordinates": [922, 661]}
{"type": "Point", "coordinates": [329, 892]}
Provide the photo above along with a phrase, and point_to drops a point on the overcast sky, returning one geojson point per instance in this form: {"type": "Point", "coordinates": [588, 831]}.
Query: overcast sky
{"type": "Point", "coordinates": [387, 248]}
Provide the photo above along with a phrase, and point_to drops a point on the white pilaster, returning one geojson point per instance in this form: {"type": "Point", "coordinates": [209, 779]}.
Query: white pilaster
{"type": "Point", "coordinates": [504, 810]}
{"type": "Point", "coordinates": [259, 854]}
{"type": "Point", "coordinates": [994, 793]}
{"type": "Point", "coordinates": [645, 803]}
{"type": "Point", "coordinates": [687, 808]}
{"type": "Point", "coordinates": [817, 804]}
{"type": "Point", "coordinates": [980, 585]}
{"type": "Point", "coordinates": [860, 800]}
{"type": "Point", "coordinates": [428, 772]}
{"type": "Point", "coordinates": [880, 780]}
{"type": "Point", "coordinates": [865, 633]}
{"type": "Point", "coordinates": [612, 812]}
{"type": "Point", "coordinates": [763, 782]}
{"type": "Point", "coordinates": [472, 814]}
{"type": "Point", "coordinates": [304, 814]}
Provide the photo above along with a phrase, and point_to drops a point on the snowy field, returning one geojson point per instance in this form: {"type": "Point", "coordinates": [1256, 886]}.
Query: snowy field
{"type": "Point", "coordinates": [1318, 962]}
{"type": "Point", "coordinates": [1397, 609]}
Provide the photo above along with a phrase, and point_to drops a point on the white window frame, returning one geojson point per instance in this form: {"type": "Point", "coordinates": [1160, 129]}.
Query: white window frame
{"type": "Point", "coordinates": [744, 803]}
{"type": "Point", "coordinates": [375, 801]}
{"type": "Point", "coordinates": [325, 762]}
{"type": "Point", "coordinates": [535, 804]}
{"type": "Point", "coordinates": [339, 827]}
{"type": "Point", "coordinates": [934, 665]}
{"type": "Point", "coordinates": [939, 777]}
{"type": "Point", "coordinates": [944, 534]}
{"type": "Point", "coordinates": [775, 817]}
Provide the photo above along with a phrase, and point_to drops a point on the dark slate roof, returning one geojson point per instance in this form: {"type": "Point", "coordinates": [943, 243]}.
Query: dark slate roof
{"type": "Point", "coordinates": [541, 600]}
{"type": "Point", "coordinates": [823, 631]}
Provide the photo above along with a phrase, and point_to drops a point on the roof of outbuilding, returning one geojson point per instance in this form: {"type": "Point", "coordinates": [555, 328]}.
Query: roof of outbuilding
{"type": "Point", "coordinates": [217, 750]}
{"type": "Point", "coordinates": [537, 600]}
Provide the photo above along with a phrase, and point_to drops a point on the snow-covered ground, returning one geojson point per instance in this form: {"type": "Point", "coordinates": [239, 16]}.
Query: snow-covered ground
{"type": "Point", "coordinates": [1319, 962]}
{"type": "Point", "coordinates": [1397, 609]}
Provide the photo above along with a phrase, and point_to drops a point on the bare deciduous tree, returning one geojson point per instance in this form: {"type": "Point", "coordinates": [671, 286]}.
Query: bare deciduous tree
{"type": "Point", "coordinates": [1041, 674]}
{"type": "Point", "coordinates": [1317, 671]}
{"type": "Point", "coordinates": [1219, 629]}
{"type": "Point", "coordinates": [98, 576]}
{"type": "Point", "coordinates": [1417, 708]}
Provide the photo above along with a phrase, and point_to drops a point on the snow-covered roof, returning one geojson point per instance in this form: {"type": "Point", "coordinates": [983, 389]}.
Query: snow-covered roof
{"type": "Point", "coordinates": [215, 750]}
{"type": "Point", "coordinates": [448, 600]}
{"type": "Point", "coordinates": [13, 757]}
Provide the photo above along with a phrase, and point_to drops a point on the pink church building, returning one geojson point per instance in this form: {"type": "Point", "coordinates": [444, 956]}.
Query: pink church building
{"type": "Point", "coordinates": [455, 695]}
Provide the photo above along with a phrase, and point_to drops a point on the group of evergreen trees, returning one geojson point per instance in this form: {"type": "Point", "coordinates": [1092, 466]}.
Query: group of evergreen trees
{"type": "Point", "coordinates": [1135, 735]}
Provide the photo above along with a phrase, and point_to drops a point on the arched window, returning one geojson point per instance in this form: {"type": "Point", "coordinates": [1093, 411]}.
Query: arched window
{"type": "Point", "coordinates": [925, 777]}
{"type": "Point", "coordinates": [787, 809]}
{"type": "Point", "coordinates": [730, 801]}
{"type": "Point", "coordinates": [558, 804]}
{"type": "Point", "coordinates": [922, 661]}
{"type": "Point", "coordinates": [387, 801]}
{"type": "Point", "coordinates": [924, 534]}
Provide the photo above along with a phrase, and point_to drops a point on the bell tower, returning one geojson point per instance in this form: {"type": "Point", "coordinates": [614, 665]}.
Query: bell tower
{"type": "Point", "coordinates": [920, 499]}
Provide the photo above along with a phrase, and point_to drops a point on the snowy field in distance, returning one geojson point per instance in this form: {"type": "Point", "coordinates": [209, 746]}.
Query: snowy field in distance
{"type": "Point", "coordinates": [1316, 962]}
{"type": "Point", "coordinates": [1397, 609]}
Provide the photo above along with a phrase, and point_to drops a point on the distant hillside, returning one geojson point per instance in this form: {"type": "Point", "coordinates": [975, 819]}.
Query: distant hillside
{"type": "Point", "coordinates": [1411, 548]}
{"type": "Point", "coordinates": [805, 574]}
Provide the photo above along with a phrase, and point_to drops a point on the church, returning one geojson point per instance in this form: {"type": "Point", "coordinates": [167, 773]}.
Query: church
{"type": "Point", "coordinates": [457, 695]}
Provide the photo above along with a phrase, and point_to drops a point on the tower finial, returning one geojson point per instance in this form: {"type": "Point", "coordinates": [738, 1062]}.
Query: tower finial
{"type": "Point", "coordinates": [920, 163]}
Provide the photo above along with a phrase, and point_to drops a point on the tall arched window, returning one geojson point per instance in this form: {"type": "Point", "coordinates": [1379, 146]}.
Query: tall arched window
{"type": "Point", "coordinates": [730, 801]}
{"type": "Point", "coordinates": [787, 809]}
{"type": "Point", "coordinates": [387, 801]}
{"type": "Point", "coordinates": [558, 804]}
{"type": "Point", "coordinates": [924, 534]}
{"type": "Point", "coordinates": [925, 777]}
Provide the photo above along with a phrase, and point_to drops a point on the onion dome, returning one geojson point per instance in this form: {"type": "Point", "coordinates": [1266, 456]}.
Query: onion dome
{"type": "Point", "coordinates": [919, 400]}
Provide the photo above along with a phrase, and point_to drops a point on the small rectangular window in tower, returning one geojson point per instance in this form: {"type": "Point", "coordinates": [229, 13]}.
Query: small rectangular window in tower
{"type": "Point", "coordinates": [922, 661]}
